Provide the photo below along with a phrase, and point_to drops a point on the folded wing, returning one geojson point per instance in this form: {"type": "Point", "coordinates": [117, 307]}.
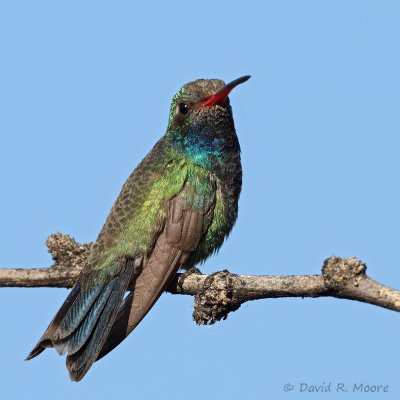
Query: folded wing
{"type": "Point", "coordinates": [183, 231]}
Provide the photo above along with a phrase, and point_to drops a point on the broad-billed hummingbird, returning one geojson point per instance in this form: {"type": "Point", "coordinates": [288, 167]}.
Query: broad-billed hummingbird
{"type": "Point", "coordinates": [174, 211]}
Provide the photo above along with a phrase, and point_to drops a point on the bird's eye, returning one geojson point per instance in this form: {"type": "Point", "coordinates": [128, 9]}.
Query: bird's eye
{"type": "Point", "coordinates": [183, 108]}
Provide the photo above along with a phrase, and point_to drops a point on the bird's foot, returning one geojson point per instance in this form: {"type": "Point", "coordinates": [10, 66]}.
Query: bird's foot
{"type": "Point", "coordinates": [190, 271]}
{"type": "Point", "coordinates": [184, 275]}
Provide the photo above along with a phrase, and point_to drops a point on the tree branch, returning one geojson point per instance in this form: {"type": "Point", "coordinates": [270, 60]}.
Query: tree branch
{"type": "Point", "coordinates": [219, 293]}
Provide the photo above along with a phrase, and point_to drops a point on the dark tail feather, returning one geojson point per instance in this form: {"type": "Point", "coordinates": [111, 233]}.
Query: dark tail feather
{"type": "Point", "coordinates": [120, 329]}
{"type": "Point", "coordinates": [46, 340]}
{"type": "Point", "coordinates": [80, 361]}
{"type": "Point", "coordinates": [73, 342]}
{"type": "Point", "coordinates": [83, 322]}
{"type": "Point", "coordinates": [77, 311]}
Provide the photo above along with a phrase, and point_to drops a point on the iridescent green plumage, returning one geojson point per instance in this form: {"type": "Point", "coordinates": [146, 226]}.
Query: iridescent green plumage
{"type": "Point", "coordinates": [174, 211]}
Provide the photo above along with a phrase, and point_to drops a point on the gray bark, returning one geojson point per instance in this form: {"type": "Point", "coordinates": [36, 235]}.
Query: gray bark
{"type": "Point", "coordinates": [219, 293]}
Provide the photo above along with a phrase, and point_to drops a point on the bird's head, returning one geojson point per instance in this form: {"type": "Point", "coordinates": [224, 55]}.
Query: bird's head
{"type": "Point", "coordinates": [200, 120]}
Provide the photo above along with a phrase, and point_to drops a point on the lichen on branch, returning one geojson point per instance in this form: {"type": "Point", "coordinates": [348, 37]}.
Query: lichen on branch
{"type": "Point", "coordinates": [218, 294]}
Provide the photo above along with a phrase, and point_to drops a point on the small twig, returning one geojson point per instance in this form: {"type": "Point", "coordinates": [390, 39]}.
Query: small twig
{"type": "Point", "coordinates": [222, 292]}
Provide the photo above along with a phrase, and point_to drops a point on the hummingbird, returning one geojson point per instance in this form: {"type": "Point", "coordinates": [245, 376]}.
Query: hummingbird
{"type": "Point", "coordinates": [174, 211]}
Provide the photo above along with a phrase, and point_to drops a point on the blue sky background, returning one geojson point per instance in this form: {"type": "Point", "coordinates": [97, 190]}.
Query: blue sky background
{"type": "Point", "coordinates": [85, 89]}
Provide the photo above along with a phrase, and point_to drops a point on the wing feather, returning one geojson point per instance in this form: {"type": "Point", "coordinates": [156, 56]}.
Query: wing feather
{"type": "Point", "coordinates": [183, 231]}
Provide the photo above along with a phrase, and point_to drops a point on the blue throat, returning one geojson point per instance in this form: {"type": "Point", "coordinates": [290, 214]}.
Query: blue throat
{"type": "Point", "coordinates": [200, 146]}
